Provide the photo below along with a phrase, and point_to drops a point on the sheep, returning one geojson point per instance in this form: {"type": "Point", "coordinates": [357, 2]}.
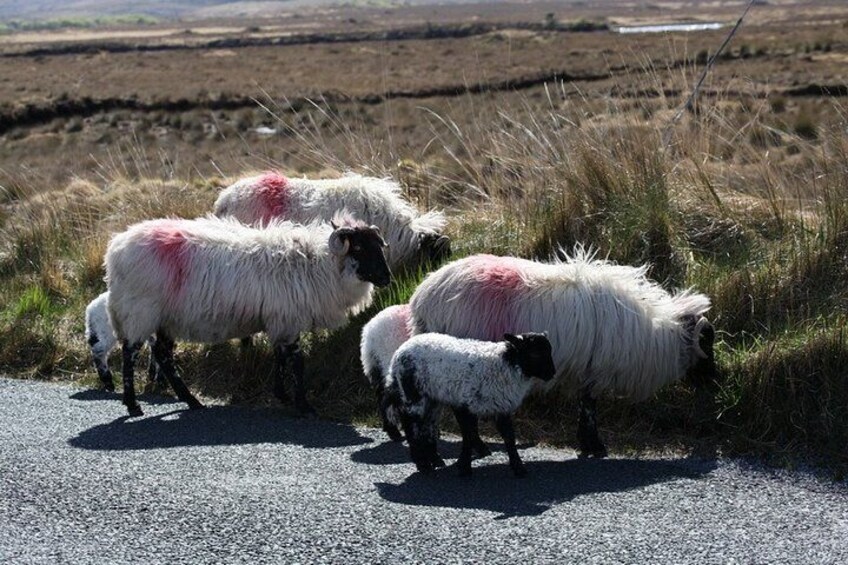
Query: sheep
{"type": "Point", "coordinates": [381, 337]}
{"type": "Point", "coordinates": [611, 328]}
{"type": "Point", "coordinates": [413, 238]}
{"type": "Point", "coordinates": [101, 341]}
{"type": "Point", "coordinates": [476, 378]}
{"type": "Point", "coordinates": [211, 279]}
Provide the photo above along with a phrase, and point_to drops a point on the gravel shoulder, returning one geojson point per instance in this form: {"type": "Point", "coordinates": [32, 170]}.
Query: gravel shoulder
{"type": "Point", "coordinates": [81, 483]}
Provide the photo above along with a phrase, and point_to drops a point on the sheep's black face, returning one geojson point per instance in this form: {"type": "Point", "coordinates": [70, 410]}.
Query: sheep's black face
{"type": "Point", "coordinates": [434, 248]}
{"type": "Point", "coordinates": [364, 246]}
{"type": "Point", "coordinates": [532, 352]}
{"type": "Point", "coordinates": [703, 371]}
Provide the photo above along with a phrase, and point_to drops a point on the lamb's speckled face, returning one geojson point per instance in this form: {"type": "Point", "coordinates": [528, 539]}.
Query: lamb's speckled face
{"type": "Point", "coordinates": [532, 352]}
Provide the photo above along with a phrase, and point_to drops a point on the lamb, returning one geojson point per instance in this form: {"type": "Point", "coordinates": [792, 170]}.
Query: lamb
{"type": "Point", "coordinates": [210, 279]}
{"type": "Point", "coordinates": [101, 340]}
{"type": "Point", "coordinates": [413, 238]}
{"type": "Point", "coordinates": [611, 328]}
{"type": "Point", "coordinates": [381, 337]}
{"type": "Point", "coordinates": [475, 378]}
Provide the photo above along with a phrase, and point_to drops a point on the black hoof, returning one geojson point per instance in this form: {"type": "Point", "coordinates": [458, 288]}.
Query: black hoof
{"type": "Point", "coordinates": [597, 453]}
{"type": "Point", "coordinates": [438, 462]}
{"type": "Point", "coordinates": [109, 386]}
{"type": "Point", "coordinates": [196, 405]}
{"type": "Point", "coordinates": [135, 411]}
{"type": "Point", "coordinates": [425, 468]}
{"type": "Point", "coordinates": [482, 450]}
{"type": "Point", "coordinates": [393, 433]}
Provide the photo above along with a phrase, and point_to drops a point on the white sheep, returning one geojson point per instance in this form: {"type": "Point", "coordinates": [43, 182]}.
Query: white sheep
{"type": "Point", "coordinates": [101, 341]}
{"type": "Point", "coordinates": [381, 337]}
{"type": "Point", "coordinates": [476, 378]}
{"type": "Point", "coordinates": [611, 328]}
{"type": "Point", "coordinates": [210, 279]}
{"type": "Point", "coordinates": [413, 238]}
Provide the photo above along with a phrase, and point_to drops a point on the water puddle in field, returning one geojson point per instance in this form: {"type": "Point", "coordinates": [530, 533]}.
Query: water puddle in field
{"type": "Point", "coordinates": [660, 28]}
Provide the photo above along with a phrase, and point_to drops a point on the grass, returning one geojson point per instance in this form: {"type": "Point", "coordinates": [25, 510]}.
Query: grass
{"type": "Point", "coordinates": [761, 229]}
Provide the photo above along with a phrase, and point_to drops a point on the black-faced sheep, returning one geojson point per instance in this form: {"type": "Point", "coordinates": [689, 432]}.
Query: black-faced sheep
{"type": "Point", "coordinates": [209, 280]}
{"type": "Point", "coordinates": [413, 238]}
{"type": "Point", "coordinates": [476, 378]}
{"type": "Point", "coordinates": [381, 337]}
{"type": "Point", "coordinates": [101, 341]}
{"type": "Point", "coordinates": [611, 328]}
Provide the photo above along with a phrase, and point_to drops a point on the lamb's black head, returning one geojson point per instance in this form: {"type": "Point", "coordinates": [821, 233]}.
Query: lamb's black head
{"type": "Point", "coordinates": [532, 352]}
{"type": "Point", "coordinates": [702, 367]}
{"type": "Point", "coordinates": [363, 247]}
{"type": "Point", "coordinates": [433, 248]}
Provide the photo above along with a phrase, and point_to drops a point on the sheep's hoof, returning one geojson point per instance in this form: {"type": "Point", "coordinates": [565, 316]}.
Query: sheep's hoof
{"type": "Point", "coordinates": [425, 468]}
{"type": "Point", "coordinates": [482, 450]}
{"type": "Point", "coordinates": [134, 411]}
{"type": "Point", "coordinates": [393, 433]}
{"type": "Point", "coordinates": [196, 405]}
{"type": "Point", "coordinates": [438, 462]}
{"type": "Point", "coordinates": [597, 453]}
{"type": "Point", "coordinates": [109, 386]}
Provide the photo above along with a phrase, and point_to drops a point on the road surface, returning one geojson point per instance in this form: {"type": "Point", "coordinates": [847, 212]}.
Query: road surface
{"type": "Point", "coordinates": [81, 483]}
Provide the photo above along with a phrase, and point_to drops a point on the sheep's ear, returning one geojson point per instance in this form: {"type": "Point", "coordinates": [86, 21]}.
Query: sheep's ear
{"type": "Point", "coordinates": [380, 235]}
{"type": "Point", "coordinates": [513, 339]}
{"type": "Point", "coordinates": [339, 242]}
{"type": "Point", "coordinates": [332, 223]}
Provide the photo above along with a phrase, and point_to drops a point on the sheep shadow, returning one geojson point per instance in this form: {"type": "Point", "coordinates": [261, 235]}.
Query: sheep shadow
{"type": "Point", "coordinates": [548, 483]}
{"type": "Point", "coordinates": [397, 453]}
{"type": "Point", "coordinates": [213, 426]}
{"type": "Point", "coordinates": [96, 394]}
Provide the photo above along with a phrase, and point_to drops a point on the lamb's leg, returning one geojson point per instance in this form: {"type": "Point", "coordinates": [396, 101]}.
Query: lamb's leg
{"type": "Point", "coordinates": [422, 434]}
{"type": "Point", "coordinates": [468, 426]}
{"type": "Point", "coordinates": [504, 424]}
{"type": "Point", "coordinates": [129, 357]}
{"type": "Point", "coordinates": [587, 428]}
{"type": "Point", "coordinates": [477, 443]}
{"type": "Point", "coordinates": [163, 352]}
{"type": "Point", "coordinates": [382, 405]}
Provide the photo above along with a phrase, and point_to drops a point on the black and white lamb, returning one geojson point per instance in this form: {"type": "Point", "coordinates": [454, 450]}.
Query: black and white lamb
{"type": "Point", "coordinates": [475, 378]}
{"type": "Point", "coordinates": [414, 238]}
{"type": "Point", "coordinates": [209, 280]}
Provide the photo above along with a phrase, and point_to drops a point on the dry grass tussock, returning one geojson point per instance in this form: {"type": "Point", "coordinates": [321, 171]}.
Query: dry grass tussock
{"type": "Point", "coordinates": [760, 228]}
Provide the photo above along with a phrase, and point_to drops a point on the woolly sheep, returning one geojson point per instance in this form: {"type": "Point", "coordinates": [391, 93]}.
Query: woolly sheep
{"type": "Point", "coordinates": [101, 341]}
{"type": "Point", "coordinates": [381, 337]}
{"type": "Point", "coordinates": [476, 378]}
{"type": "Point", "coordinates": [413, 238]}
{"type": "Point", "coordinates": [210, 279]}
{"type": "Point", "coordinates": [611, 328]}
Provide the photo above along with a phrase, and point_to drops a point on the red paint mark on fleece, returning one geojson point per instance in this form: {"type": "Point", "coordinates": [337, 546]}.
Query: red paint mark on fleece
{"type": "Point", "coordinates": [402, 314]}
{"type": "Point", "coordinates": [500, 282]}
{"type": "Point", "coordinates": [169, 243]}
{"type": "Point", "coordinates": [272, 189]}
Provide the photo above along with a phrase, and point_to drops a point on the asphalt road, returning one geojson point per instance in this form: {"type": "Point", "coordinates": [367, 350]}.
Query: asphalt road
{"type": "Point", "coordinates": [81, 483]}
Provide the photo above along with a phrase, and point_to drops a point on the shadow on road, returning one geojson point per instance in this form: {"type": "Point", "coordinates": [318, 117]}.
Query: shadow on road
{"type": "Point", "coordinates": [147, 398]}
{"type": "Point", "coordinates": [215, 425]}
{"type": "Point", "coordinates": [396, 452]}
{"type": "Point", "coordinates": [548, 483]}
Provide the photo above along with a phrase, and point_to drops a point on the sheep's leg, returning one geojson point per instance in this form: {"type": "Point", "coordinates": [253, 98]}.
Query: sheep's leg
{"type": "Point", "coordinates": [421, 435]}
{"type": "Point", "coordinates": [477, 443]}
{"type": "Point", "coordinates": [154, 375]}
{"type": "Point", "coordinates": [130, 355]}
{"type": "Point", "coordinates": [283, 354]}
{"type": "Point", "coordinates": [383, 406]}
{"type": "Point", "coordinates": [163, 352]}
{"type": "Point", "coordinates": [504, 425]}
{"type": "Point", "coordinates": [468, 426]}
{"type": "Point", "coordinates": [587, 428]}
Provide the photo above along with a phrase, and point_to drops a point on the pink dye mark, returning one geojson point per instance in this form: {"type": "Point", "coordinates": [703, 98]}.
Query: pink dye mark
{"type": "Point", "coordinates": [272, 190]}
{"type": "Point", "coordinates": [169, 243]}
{"type": "Point", "coordinates": [402, 315]}
{"type": "Point", "coordinates": [500, 283]}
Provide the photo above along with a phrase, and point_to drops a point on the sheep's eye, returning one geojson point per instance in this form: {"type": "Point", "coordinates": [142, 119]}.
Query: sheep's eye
{"type": "Point", "coordinates": [357, 248]}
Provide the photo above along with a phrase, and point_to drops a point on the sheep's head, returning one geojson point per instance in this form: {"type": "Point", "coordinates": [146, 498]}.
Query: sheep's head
{"type": "Point", "coordinates": [433, 248]}
{"type": "Point", "coordinates": [531, 352]}
{"type": "Point", "coordinates": [360, 248]}
{"type": "Point", "coordinates": [702, 368]}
